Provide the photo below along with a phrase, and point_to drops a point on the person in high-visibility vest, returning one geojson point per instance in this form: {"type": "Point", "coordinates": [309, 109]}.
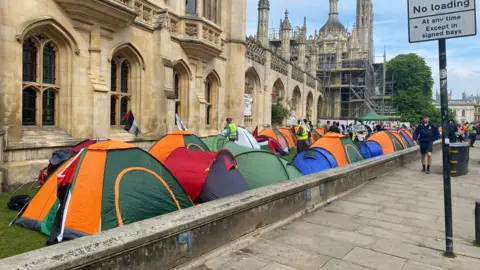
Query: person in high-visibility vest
{"type": "Point", "coordinates": [231, 130]}
{"type": "Point", "coordinates": [302, 136]}
{"type": "Point", "coordinates": [472, 132]}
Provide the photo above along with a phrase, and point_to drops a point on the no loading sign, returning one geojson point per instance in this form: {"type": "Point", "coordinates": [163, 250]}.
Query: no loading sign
{"type": "Point", "coordinates": [443, 74]}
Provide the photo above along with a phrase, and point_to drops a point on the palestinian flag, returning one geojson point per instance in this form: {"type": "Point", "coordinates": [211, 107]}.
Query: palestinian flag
{"type": "Point", "coordinates": [255, 132]}
{"type": "Point", "coordinates": [131, 125]}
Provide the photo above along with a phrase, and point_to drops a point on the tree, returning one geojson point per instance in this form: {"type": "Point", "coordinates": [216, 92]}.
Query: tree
{"type": "Point", "coordinates": [279, 113]}
{"type": "Point", "coordinates": [410, 70]}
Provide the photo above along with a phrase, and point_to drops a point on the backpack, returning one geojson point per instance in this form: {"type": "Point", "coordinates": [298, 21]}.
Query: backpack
{"type": "Point", "coordinates": [18, 202]}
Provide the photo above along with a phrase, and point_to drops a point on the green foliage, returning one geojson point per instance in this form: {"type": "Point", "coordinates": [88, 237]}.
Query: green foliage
{"type": "Point", "coordinates": [413, 87]}
{"type": "Point", "coordinates": [279, 113]}
{"type": "Point", "coordinates": [410, 70]}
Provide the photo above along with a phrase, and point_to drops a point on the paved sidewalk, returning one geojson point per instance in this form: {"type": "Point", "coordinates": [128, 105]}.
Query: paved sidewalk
{"type": "Point", "coordinates": [394, 222]}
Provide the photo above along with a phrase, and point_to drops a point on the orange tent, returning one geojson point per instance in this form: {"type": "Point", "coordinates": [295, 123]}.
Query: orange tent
{"type": "Point", "coordinates": [107, 185]}
{"type": "Point", "coordinates": [289, 135]}
{"type": "Point", "coordinates": [408, 133]}
{"type": "Point", "coordinates": [162, 149]}
{"type": "Point", "coordinates": [397, 135]}
{"type": "Point", "coordinates": [277, 136]}
{"type": "Point", "coordinates": [341, 147]}
{"type": "Point", "coordinates": [388, 141]}
{"type": "Point", "coordinates": [320, 131]}
{"type": "Point", "coordinates": [316, 135]}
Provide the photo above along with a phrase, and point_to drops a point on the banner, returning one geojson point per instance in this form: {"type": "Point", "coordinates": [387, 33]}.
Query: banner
{"type": "Point", "coordinates": [179, 123]}
{"type": "Point", "coordinates": [293, 120]}
{"type": "Point", "coordinates": [247, 109]}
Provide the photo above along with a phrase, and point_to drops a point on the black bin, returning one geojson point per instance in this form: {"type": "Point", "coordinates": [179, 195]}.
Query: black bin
{"type": "Point", "coordinates": [459, 157]}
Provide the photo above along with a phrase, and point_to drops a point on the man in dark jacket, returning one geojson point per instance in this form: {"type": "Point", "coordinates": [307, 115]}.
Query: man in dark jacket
{"type": "Point", "coordinates": [426, 133]}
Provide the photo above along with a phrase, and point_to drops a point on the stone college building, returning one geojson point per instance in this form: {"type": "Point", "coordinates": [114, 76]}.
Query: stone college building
{"type": "Point", "coordinates": [70, 70]}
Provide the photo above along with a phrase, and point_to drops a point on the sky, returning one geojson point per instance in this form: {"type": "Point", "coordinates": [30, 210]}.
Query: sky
{"type": "Point", "coordinates": [391, 31]}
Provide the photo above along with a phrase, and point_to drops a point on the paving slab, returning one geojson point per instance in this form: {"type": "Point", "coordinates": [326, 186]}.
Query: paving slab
{"type": "Point", "coordinates": [393, 222]}
{"type": "Point", "coordinates": [374, 260]}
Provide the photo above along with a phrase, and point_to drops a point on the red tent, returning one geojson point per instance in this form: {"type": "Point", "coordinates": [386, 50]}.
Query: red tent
{"type": "Point", "coordinates": [270, 144]}
{"type": "Point", "coordinates": [206, 176]}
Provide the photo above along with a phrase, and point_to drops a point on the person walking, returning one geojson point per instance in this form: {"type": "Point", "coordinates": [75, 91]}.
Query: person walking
{"type": "Point", "coordinates": [426, 133]}
{"type": "Point", "coordinates": [452, 131]}
{"type": "Point", "coordinates": [326, 127]}
{"type": "Point", "coordinates": [231, 132]}
{"type": "Point", "coordinates": [334, 128]}
{"type": "Point", "coordinates": [302, 136]}
{"type": "Point", "coordinates": [472, 132]}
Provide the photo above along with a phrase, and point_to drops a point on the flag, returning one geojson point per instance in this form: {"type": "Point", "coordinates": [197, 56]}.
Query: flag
{"type": "Point", "coordinates": [255, 132]}
{"type": "Point", "coordinates": [179, 123]}
{"type": "Point", "coordinates": [131, 126]}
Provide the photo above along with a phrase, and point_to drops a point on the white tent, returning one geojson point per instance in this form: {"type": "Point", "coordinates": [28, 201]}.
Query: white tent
{"type": "Point", "coordinates": [246, 139]}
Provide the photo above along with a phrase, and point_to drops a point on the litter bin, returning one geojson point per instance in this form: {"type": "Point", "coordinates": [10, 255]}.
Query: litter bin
{"type": "Point", "coordinates": [459, 157]}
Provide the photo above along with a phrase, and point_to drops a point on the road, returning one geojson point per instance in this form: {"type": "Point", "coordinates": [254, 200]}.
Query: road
{"type": "Point", "coordinates": [393, 222]}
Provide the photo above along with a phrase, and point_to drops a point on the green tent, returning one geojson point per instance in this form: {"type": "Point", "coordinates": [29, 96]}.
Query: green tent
{"type": "Point", "coordinates": [218, 143]}
{"type": "Point", "coordinates": [372, 116]}
{"type": "Point", "coordinates": [261, 168]}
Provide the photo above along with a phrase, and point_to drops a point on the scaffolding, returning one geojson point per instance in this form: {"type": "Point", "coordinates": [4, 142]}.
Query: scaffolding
{"type": "Point", "coordinates": [352, 87]}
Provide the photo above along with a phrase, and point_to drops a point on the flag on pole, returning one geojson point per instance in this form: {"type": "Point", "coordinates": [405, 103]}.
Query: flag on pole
{"type": "Point", "coordinates": [179, 123]}
{"type": "Point", "coordinates": [131, 125]}
{"type": "Point", "coordinates": [255, 132]}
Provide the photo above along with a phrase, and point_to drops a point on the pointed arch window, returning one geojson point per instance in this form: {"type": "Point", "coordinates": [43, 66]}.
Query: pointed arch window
{"type": "Point", "coordinates": [29, 60]}
{"type": "Point", "coordinates": [208, 98]}
{"type": "Point", "coordinates": [120, 82]}
{"type": "Point", "coordinates": [40, 93]}
{"type": "Point", "coordinates": [49, 63]}
{"type": "Point", "coordinates": [29, 107]}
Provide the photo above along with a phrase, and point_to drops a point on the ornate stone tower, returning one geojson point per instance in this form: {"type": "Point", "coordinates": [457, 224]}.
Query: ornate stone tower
{"type": "Point", "coordinates": [365, 27]}
{"type": "Point", "coordinates": [262, 27]}
{"type": "Point", "coordinates": [302, 45]}
{"type": "Point", "coordinates": [285, 28]}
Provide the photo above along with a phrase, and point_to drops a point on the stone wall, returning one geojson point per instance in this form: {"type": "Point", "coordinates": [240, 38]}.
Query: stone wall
{"type": "Point", "coordinates": [2, 168]}
{"type": "Point", "coordinates": [177, 238]}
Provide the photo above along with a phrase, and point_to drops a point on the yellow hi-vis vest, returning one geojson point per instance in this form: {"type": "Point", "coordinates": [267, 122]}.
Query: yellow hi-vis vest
{"type": "Point", "coordinates": [304, 135]}
{"type": "Point", "coordinates": [233, 132]}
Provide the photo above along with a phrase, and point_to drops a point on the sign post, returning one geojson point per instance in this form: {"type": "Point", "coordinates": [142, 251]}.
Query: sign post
{"type": "Point", "coordinates": [441, 20]}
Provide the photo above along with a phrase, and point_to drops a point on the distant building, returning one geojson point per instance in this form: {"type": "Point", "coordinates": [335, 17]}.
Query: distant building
{"type": "Point", "coordinates": [467, 108]}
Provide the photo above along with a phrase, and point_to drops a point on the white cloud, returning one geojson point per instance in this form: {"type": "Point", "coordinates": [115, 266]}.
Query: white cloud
{"type": "Point", "coordinates": [390, 30]}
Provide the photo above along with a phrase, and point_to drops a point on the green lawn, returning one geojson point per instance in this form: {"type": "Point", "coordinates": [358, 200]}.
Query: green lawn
{"type": "Point", "coordinates": [15, 239]}
{"type": "Point", "coordinates": [291, 154]}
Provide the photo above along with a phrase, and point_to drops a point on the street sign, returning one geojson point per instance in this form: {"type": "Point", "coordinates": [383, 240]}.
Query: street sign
{"type": "Point", "coordinates": [440, 19]}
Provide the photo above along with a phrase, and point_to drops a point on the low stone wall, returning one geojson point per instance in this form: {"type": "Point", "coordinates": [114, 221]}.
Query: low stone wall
{"type": "Point", "coordinates": [174, 239]}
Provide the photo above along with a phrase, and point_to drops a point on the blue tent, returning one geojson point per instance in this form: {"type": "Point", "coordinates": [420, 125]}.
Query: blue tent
{"type": "Point", "coordinates": [314, 160]}
{"type": "Point", "coordinates": [371, 149]}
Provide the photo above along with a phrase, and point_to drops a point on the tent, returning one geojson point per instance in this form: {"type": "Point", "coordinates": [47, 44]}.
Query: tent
{"type": "Point", "coordinates": [206, 176]}
{"type": "Point", "coordinates": [289, 135]}
{"type": "Point", "coordinates": [314, 160]}
{"type": "Point", "coordinates": [106, 185]}
{"type": "Point", "coordinates": [261, 168]}
{"type": "Point", "coordinates": [387, 141]}
{"type": "Point", "coordinates": [399, 138]}
{"type": "Point", "coordinates": [372, 116]}
{"type": "Point", "coordinates": [60, 156]}
{"type": "Point", "coordinates": [244, 139]}
{"type": "Point", "coordinates": [321, 131]}
{"type": "Point", "coordinates": [277, 136]}
{"type": "Point", "coordinates": [407, 138]}
{"type": "Point", "coordinates": [162, 149]}
{"type": "Point", "coordinates": [270, 144]}
{"type": "Point", "coordinates": [343, 149]}
{"type": "Point", "coordinates": [371, 149]}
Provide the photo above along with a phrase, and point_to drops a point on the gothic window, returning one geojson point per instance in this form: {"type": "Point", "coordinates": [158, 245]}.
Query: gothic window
{"type": "Point", "coordinates": [48, 107]}
{"type": "Point", "coordinates": [210, 10]}
{"type": "Point", "coordinates": [191, 6]}
{"type": "Point", "coordinates": [39, 95]}
{"type": "Point", "coordinates": [119, 90]}
{"type": "Point", "coordinates": [113, 111]}
{"type": "Point", "coordinates": [29, 106]}
{"type": "Point", "coordinates": [49, 64]}
{"type": "Point", "coordinates": [463, 113]}
{"type": "Point", "coordinates": [176, 84]}
{"type": "Point", "coordinates": [29, 60]}
{"type": "Point", "coordinates": [208, 97]}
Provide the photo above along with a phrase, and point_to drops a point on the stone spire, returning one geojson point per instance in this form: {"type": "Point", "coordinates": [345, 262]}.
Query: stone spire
{"type": "Point", "coordinates": [285, 28]}
{"type": "Point", "coordinates": [262, 27]}
{"type": "Point", "coordinates": [333, 24]}
{"type": "Point", "coordinates": [333, 10]}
